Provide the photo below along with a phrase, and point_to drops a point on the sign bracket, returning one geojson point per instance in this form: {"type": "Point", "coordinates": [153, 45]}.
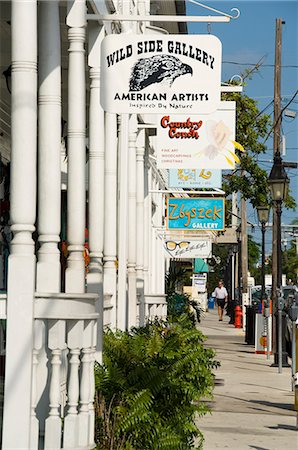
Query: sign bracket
{"type": "Point", "coordinates": [159, 18]}
{"type": "Point", "coordinates": [195, 2]}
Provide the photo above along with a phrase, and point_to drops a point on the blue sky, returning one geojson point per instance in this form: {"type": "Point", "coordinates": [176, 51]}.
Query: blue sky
{"type": "Point", "coordinates": [245, 41]}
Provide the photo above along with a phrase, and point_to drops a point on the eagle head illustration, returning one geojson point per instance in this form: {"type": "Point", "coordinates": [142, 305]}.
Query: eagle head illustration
{"type": "Point", "coordinates": [156, 69]}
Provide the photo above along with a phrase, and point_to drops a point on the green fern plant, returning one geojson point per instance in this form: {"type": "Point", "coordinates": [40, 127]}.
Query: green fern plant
{"type": "Point", "coordinates": [150, 387]}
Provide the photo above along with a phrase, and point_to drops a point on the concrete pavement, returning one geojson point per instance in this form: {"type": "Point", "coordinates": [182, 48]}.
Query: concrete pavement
{"type": "Point", "coordinates": [253, 404]}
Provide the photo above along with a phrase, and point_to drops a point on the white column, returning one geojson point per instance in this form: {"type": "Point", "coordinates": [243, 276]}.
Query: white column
{"type": "Point", "coordinates": [96, 181]}
{"type": "Point", "coordinates": [122, 319]}
{"type": "Point", "coordinates": [48, 274]}
{"type": "Point", "coordinates": [56, 344]}
{"type": "Point", "coordinates": [132, 223]}
{"type": "Point", "coordinates": [147, 222]}
{"type": "Point", "coordinates": [140, 224]}
{"type": "Point", "coordinates": [22, 263]}
{"type": "Point", "coordinates": [39, 343]}
{"type": "Point", "coordinates": [76, 188]}
{"type": "Point", "coordinates": [75, 331]}
{"type": "Point", "coordinates": [153, 269]}
{"type": "Point", "coordinates": [160, 261]}
{"type": "Point", "coordinates": [92, 387]}
{"type": "Point", "coordinates": [85, 386]}
{"type": "Point", "coordinates": [156, 262]}
{"type": "Point", "coordinates": [49, 144]}
{"type": "Point", "coordinates": [96, 190]}
{"type": "Point", "coordinates": [110, 213]}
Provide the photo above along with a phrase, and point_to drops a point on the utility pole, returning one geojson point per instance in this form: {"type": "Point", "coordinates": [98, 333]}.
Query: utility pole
{"type": "Point", "coordinates": [244, 259]}
{"type": "Point", "coordinates": [276, 152]}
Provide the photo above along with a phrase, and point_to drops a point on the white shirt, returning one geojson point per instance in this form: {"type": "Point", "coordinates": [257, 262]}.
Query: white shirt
{"type": "Point", "coordinates": [221, 293]}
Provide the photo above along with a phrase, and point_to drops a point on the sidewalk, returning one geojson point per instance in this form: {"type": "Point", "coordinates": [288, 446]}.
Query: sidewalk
{"type": "Point", "coordinates": [253, 403]}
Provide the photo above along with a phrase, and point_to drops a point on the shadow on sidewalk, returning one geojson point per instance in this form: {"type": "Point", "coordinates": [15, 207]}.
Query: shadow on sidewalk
{"type": "Point", "coordinates": [259, 448]}
{"type": "Point", "coordinates": [283, 406]}
{"type": "Point", "coordinates": [268, 387]}
{"type": "Point", "coordinates": [286, 406]}
{"type": "Point", "coordinates": [281, 426]}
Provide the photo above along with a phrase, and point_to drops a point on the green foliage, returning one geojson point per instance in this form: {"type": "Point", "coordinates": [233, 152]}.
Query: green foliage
{"type": "Point", "coordinates": [252, 128]}
{"type": "Point", "coordinates": [254, 252]}
{"type": "Point", "coordinates": [221, 251]}
{"type": "Point", "coordinates": [179, 304]}
{"type": "Point", "coordinates": [290, 262]}
{"type": "Point", "coordinates": [176, 276]}
{"type": "Point", "coordinates": [249, 178]}
{"type": "Point", "coordinates": [150, 387]}
{"type": "Point", "coordinates": [290, 202]}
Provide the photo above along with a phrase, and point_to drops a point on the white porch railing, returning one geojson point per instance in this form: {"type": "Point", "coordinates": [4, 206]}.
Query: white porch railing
{"type": "Point", "coordinates": [155, 306]}
{"type": "Point", "coordinates": [2, 317]}
{"type": "Point", "coordinates": [68, 324]}
{"type": "Point", "coordinates": [107, 310]}
{"type": "Point", "coordinates": [65, 330]}
{"type": "Point", "coordinates": [3, 306]}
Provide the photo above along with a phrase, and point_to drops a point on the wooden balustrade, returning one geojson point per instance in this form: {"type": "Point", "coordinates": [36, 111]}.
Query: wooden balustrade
{"type": "Point", "coordinates": [155, 306]}
{"type": "Point", "coordinates": [107, 310]}
{"type": "Point", "coordinates": [72, 334]}
{"type": "Point", "coordinates": [2, 316]}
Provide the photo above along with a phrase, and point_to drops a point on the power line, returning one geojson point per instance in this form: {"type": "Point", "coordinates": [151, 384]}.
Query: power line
{"type": "Point", "coordinates": [287, 66]}
{"type": "Point", "coordinates": [264, 109]}
{"type": "Point", "coordinates": [271, 96]}
{"type": "Point", "coordinates": [280, 114]}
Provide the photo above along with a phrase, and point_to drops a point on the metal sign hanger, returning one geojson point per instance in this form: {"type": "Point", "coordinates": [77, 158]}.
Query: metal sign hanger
{"type": "Point", "coordinates": [224, 17]}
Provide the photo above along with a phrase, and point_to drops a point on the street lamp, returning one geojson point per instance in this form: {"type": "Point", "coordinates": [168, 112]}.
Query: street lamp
{"type": "Point", "coordinates": [238, 234]}
{"type": "Point", "coordinates": [279, 185]}
{"type": "Point", "coordinates": [263, 216]}
{"type": "Point", "coordinates": [234, 251]}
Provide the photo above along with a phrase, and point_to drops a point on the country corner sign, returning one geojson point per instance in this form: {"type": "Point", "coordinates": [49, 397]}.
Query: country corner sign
{"type": "Point", "coordinates": [191, 141]}
{"type": "Point", "coordinates": [196, 213]}
{"type": "Point", "coordinates": [158, 74]}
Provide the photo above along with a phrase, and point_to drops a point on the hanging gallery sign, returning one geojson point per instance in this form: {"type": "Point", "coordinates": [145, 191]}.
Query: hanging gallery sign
{"type": "Point", "coordinates": [200, 140]}
{"type": "Point", "coordinates": [159, 74]}
{"type": "Point", "coordinates": [196, 213]}
{"type": "Point", "coordinates": [188, 248]}
{"type": "Point", "coordinates": [194, 178]}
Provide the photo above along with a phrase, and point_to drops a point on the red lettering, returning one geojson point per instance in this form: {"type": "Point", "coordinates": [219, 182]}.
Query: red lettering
{"type": "Point", "coordinates": [164, 121]}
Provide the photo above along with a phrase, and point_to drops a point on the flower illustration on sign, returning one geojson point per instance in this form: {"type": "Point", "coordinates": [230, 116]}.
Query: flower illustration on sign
{"type": "Point", "coordinates": [218, 135]}
{"type": "Point", "coordinates": [186, 174]}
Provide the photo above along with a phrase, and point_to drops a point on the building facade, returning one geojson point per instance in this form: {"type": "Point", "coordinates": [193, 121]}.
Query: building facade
{"type": "Point", "coordinates": [81, 215]}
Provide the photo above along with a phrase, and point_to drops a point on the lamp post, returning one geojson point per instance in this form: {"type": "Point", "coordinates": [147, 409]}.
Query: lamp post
{"type": "Point", "coordinates": [234, 271]}
{"type": "Point", "coordinates": [238, 233]}
{"type": "Point", "coordinates": [263, 216]}
{"type": "Point", "coordinates": [279, 183]}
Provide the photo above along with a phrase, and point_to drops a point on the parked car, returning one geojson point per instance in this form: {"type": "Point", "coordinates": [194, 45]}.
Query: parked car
{"type": "Point", "coordinates": [290, 295]}
{"type": "Point", "coordinates": [256, 292]}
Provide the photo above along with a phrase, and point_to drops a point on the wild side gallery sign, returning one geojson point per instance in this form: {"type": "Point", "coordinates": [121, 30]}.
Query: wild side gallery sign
{"type": "Point", "coordinates": [197, 140]}
{"type": "Point", "coordinates": [158, 74]}
{"type": "Point", "coordinates": [196, 213]}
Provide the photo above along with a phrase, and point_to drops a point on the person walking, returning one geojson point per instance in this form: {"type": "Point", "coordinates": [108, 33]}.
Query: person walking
{"type": "Point", "coordinates": [221, 296]}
